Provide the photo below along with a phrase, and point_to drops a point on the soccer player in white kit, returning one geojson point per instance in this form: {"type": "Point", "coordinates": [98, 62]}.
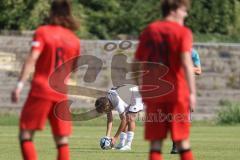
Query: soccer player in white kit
{"type": "Point", "coordinates": [127, 101]}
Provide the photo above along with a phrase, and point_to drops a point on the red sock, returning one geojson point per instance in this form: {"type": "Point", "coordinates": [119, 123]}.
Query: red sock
{"type": "Point", "coordinates": [187, 155]}
{"type": "Point", "coordinates": [28, 150]}
{"type": "Point", "coordinates": [155, 155]}
{"type": "Point", "coordinates": [63, 152]}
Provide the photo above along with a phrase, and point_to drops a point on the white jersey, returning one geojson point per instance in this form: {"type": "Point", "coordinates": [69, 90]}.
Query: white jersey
{"type": "Point", "coordinates": [126, 99]}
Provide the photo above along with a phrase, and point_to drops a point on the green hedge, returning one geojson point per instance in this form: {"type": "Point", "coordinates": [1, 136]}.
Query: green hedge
{"type": "Point", "coordinates": [229, 113]}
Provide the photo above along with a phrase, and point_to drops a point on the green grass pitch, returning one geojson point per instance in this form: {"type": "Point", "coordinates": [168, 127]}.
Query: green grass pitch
{"type": "Point", "coordinates": [209, 142]}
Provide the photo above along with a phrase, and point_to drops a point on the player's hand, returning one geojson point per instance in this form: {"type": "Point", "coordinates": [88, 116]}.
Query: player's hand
{"type": "Point", "coordinates": [192, 102]}
{"type": "Point", "coordinates": [15, 96]}
{"type": "Point", "coordinates": [114, 140]}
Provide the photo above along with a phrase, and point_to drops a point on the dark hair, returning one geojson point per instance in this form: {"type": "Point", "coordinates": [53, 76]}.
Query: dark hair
{"type": "Point", "coordinates": [102, 104]}
{"type": "Point", "coordinates": [61, 14]}
{"type": "Point", "coordinates": [171, 5]}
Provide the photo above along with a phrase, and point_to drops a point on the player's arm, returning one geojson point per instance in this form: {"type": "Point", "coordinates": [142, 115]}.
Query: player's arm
{"type": "Point", "coordinates": [121, 127]}
{"type": "Point", "coordinates": [109, 123]}
{"type": "Point", "coordinates": [187, 65]}
{"type": "Point", "coordinates": [27, 68]}
{"type": "Point", "coordinates": [29, 65]}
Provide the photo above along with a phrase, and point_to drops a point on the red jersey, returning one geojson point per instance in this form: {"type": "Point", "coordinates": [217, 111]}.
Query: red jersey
{"type": "Point", "coordinates": [57, 45]}
{"type": "Point", "coordinates": [163, 42]}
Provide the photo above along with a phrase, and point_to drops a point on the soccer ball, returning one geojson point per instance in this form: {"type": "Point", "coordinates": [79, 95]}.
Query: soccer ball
{"type": "Point", "coordinates": [106, 143]}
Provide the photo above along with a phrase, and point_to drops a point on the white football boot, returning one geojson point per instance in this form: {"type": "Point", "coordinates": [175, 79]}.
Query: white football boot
{"type": "Point", "coordinates": [125, 148]}
{"type": "Point", "coordinates": [119, 146]}
{"type": "Point", "coordinates": [123, 137]}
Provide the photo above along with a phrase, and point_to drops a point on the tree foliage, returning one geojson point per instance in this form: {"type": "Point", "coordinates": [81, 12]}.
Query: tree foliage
{"type": "Point", "coordinates": [22, 14]}
{"type": "Point", "coordinates": [216, 16]}
{"type": "Point", "coordinates": [105, 19]}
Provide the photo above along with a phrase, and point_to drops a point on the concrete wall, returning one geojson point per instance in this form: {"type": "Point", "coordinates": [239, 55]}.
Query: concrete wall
{"type": "Point", "coordinates": [220, 80]}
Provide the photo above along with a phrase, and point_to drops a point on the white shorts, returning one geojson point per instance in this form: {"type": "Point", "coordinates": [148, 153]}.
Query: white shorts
{"type": "Point", "coordinates": [135, 108]}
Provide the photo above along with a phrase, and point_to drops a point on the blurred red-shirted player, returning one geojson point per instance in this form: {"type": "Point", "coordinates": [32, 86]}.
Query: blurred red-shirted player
{"type": "Point", "coordinates": [169, 42]}
{"type": "Point", "coordinates": [53, 44]}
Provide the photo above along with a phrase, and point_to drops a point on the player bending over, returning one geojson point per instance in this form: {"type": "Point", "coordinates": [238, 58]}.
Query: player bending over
{"type": "Point", "coordinates": [127, 102]}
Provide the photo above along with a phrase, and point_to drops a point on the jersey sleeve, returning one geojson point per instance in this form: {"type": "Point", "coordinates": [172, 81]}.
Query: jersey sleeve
{"type": "Point", "coordinates": [186, 41]}
{"type": "Point", "coordinates": [196, 58]}
{"type": "Point", "coordinates": [37, 43]}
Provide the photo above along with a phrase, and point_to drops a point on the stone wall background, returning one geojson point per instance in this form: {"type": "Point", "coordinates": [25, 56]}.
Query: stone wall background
{"type": "Point", "coordinates": [219, 82]}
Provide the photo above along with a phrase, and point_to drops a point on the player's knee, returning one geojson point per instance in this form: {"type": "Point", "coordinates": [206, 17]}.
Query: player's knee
{"type": "Point", "coordinates": [183, 145]}
{"type": "Point", "coordinates": [26, 135]}
{"type": "Point", "coordinates": [131, 117]}
{"type": "Point", "coordinates": [61, 140]}
{"type": "Point", "coordinates": [156, 146]}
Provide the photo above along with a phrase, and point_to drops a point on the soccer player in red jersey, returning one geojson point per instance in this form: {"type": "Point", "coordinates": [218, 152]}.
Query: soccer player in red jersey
{"type": "Point", "coordinates": [53, 44]}
{"type": "Point", "coordinates": [169, 43]}
{"type": "Point", "coordinates": [198, 71]}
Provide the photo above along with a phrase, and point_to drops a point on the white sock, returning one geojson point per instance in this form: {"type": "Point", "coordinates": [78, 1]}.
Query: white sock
{"type": "Point", "coordinates": [130, 136]}
{"type": "Point", "coordinates": [123, 137]}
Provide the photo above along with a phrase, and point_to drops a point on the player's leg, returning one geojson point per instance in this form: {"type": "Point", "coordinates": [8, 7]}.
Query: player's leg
{"type": "Point", "coordinates": [174, 148]}
{"type": "Point", "coordinates": [156, 150]}
{"type": "Point", "coordinates": [180, 129]}
{"type": "Point", "coordinates": [122, 139]}
{"type": "Point", "coordinates": [33, 117]}
{"type": "Point", "coordinates": [61, 129]}
{"type": "Point", "coordinates": [131, 118]}
{"type": "Point", "coordinates": [184, 149]}
{"type": "Point", "coordinates": [156, 128]}
{"type": "Point", "coordinates": [27, 145]}
{"type": "Point", "coordinates": [130, 133]}
{"type": "Point", "coordinates": [62, 147]}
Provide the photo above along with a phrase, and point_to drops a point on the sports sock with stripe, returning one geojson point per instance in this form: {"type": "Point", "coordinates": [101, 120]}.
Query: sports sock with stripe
{"type": "Point", "coordinates": [155, 155]}
{"type": "Point", "coordinates": [63, 152]}
{"type": "Point", "coordinates": [123, 137]}
{"type": "Point", "coordinates": [186, 155]}
{"type": "Point", "coordinates": [130, 136]}
{"type": "Point", "coordinates": [28, 150]}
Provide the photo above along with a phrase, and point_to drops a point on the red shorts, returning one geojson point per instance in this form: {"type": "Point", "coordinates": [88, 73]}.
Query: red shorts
{"type": "Point", "coordinates": [37, 110]}
{"type": "Point", "coordinates": [164, 117]}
